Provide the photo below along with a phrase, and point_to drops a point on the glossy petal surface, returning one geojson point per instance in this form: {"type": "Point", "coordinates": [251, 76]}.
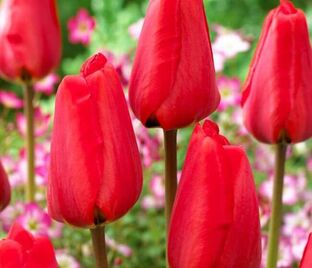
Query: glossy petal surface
{"type": "Point", "coordinates": [5, 190]}
{"type": "Point", "coordinates": [306, 261]}
{"type": "Point", "coordinates": [173, 78]}
{"type": "Point", "coordinates": [30, 39]}
{"type": "Point", "coordinates": [21, 249]}
{"type": "Point", "coordinates": [95, 171]}
{"type": "Point", "coordinates": [215, 222]}
{"type": "Point", "coordinates": [277, 96]}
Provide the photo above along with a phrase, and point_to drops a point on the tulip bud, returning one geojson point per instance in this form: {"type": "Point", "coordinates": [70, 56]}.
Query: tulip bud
{"type": "Point", "coordinates": [173, 79]}
{"type": "Point", "coordinates": [95, 171]}
{"type": "Point", "coordinates": [277, 96]}
{"type": "Point", "coordinates": [22, 249]}
{"type": "Point", "coordinates": [215, 218]}
{"type": "Point", "coordinates": [306, 261]}
{"type": "Point", "coordinates": [30, 38]}
{"type": "Point", "coordinates": [5, 191]}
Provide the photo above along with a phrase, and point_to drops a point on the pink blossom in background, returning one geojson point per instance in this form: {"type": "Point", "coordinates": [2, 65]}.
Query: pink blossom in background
{"type": "Point", "coordinates": [35, 220]}
{"type": "Point", "coordinates": [237, 119]}
{"type": "Point", "coordinates": [264, 159]}
{"type": "Point", "coordinates": [309, 164]}
{"type": "Point", "coordinates": [122, 65]}
{"type": "Point", "coordinates": [229, 43]}
{"type": "Point", "coordinates": [8, 216]}
{"type": "Point", "coordinates": [229, 89]}
{"type": "Point", "coordinates": [47, 84]}
{"type": "Point", "coordinates": [156, 198]}
{"type": "Point", "coordinates": [65, 260]}
{"type": "Point", "coordinates": [157, 186]}
{"type": "Point", "coordinates": [42, 122]}
{"type": "Point", "coordinates": [148, 146]}
{"type": "Point", "coordinates": [136, 28]}
{"type": "Point", "coordinates": [218, 60]}
{"type": "Point", "coordinates": [81, 27]}
{"type": "Point", "coordinates": [10, 100]}
{"type": "Point", "coordinates": [16, 169]}
{"type": "Point", "coordinates": [294, 187]}
{"type": "Point", "coordinates": [120, 248]}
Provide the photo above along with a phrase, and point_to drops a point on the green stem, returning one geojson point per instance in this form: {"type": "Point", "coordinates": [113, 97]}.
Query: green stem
{"type": "Point", "coordinates": [277, 205]}
{"type": "Point", "coordinates": [99, 246]}
{"type": "Point", "coordinates": [170, 173]}
{"type": "Point", "coordinates": [30, 140]}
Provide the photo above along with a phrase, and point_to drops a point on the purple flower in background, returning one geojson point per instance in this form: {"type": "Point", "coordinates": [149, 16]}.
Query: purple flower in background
{"type": "Point", "coordinates": [136, 28]}
{"type": "Point", "coordinates": [230, 92]}
{"type": "Point", "coordinates": [47, 84]}
{"type": "Point", "coordinates": [35, 220]}
{"type": "Point", "coordinates": [81, 27]}
{"type": "Point", "coordinates": [65, 260]}
{"type": "Point", "coordinates": [10, 100]}
{"type": "Point", "coordinates": [42, 122]}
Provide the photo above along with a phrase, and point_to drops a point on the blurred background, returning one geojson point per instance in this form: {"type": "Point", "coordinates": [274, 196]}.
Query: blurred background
{"type": "Point", "coordinates": [138, 240]}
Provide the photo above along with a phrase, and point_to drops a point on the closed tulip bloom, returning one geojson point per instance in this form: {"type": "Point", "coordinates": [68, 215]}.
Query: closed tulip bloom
{"type": "Point", "coordinates": [306, 261]}
{"type": "Point", "coordinates": [215, 219]}
{"type": "Point", "coordinates": [30, 38]}
{"type": "Point", "coordinates": [5, 190]}
{"type": "Point", "coordinates": [95, 171]}
{"type": "Point", "coordinates": [173, 78]}
{"type": "Point", "coordinates": [277, 96]}
{"type": "Point", "coordinates": [22, 250]}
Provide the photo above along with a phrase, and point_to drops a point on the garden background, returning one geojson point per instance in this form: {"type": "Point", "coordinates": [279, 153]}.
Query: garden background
{"type": "Point", "coordinates": [138, 239]}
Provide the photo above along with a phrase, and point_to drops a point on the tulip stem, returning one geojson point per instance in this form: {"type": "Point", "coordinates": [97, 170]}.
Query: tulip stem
{"type": "Point", "coordinates": [277, 205]}
{"type": "Point", "coordinates": [99, 246]}
{"type": "Point", "coordinates": [30, 139]}
{"type": "Point", "coordinates": [170, 173]}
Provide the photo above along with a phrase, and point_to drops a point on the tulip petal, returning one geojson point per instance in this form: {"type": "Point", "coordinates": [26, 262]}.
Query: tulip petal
{"type": "Point", "coordinates": [77, 137]}
{"type": "Point", "coordinates": [172, 82]}
{"type": "Point", "coordinates": [11, 254]}
{"type": "Point", "coordinates": [200, 222]}
{"type": "Point", "coordinates": [306, 261]}
{"type": "Point", "coordinates": [244, 233]}
{"type": "Point", "coordinates": [121, 157]}
{"type": "Point", "coordinates": [277, 98]}
{"type": "Point", "coordinates": [41, 255]}
{"type": "Point", "coordinates": [5, 190]}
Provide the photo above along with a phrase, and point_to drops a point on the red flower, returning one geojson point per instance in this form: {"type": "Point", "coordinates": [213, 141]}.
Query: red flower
{"type": "Point", "coordinates": [22, 250]}
{"type": "Point", "coordinates": [30, 39]}
{"type": "Point", "coordinates": [306, 261]}
{"type": "Point", "coordinates": [95, 172]}
{"type": "Point", "coordinates": [5, 191]}
{"type": "Point", "coordinates": [277, 96]}
{"type": "Point", "coordinates": [215, 218]}
{"type": "Point", "coordinates": [173, 78]}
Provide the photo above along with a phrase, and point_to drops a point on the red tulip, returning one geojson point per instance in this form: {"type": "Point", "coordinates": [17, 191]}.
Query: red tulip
{"type": "Point", "coordinates": [173, 78]}
{"type": "Point", "coordinates": [306, 261]}
{"type": "Point", "coordinates": [95, 171]}
{"type": "Point", "coordinates": [277, 96]}
{"type": "Point", "coordinates": [30, 38]}
{"type": "Point", "coordinates": [215, 218]}
{"type": "Point", "coordinates": [5, 191]}
{"type": "Point", "coordinates": [22, 249]}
